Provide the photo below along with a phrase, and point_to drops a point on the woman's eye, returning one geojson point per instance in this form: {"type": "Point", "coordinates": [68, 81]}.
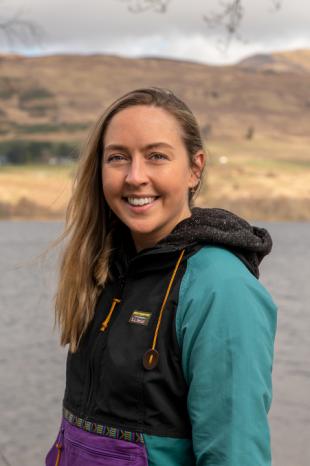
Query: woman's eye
{"type": "Point", "coordinates": [115, 158]}
{"type": "Point", "coordinates": [158, 156]}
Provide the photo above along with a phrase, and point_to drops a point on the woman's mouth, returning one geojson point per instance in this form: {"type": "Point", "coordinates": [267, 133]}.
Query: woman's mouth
{"type": "Point", "coordinates": [139, 204]}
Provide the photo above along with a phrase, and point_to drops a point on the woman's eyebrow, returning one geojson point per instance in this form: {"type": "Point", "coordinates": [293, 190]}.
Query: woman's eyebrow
{"type": "Point", "coordinates": [153, 145]}
{"type": "Point", "coordinates": [157, 144]}
{"type": "Point", "coordinates": [115, 147]}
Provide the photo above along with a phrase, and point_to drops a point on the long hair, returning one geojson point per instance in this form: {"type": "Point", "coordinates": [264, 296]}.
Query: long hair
{"type": "Point", "coordinates": [90, 225]}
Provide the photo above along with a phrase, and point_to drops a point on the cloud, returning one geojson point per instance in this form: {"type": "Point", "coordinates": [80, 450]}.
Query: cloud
{"type": "Point", "coordinates": [107, 27]}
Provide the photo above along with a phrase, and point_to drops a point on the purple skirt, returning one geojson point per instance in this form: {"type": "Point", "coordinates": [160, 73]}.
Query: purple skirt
{"type": "Point", "coordinates": [77, 447]}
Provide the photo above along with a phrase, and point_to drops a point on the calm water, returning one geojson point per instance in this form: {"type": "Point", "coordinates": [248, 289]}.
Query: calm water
{"type": "Point", "coordinates": [32, 363]}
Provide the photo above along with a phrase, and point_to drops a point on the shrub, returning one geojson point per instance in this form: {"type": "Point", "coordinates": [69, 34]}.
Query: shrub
{"type": "Point", "coordinates": [19, 152]}
{"type": "Point", "coordinates": [6, 88]}
{"type": "Point", "coordinates": [35, 93]}
{"type": "Point", "coordinates": [50, 128]}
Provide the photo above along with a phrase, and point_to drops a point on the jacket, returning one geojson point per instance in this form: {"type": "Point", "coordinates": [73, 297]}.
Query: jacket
{"type": "Point", "coordinates": [180, 349]}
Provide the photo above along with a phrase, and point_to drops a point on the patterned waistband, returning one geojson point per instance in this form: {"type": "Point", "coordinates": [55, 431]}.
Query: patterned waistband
{"type": "Point", "coordinates": [102, 429]}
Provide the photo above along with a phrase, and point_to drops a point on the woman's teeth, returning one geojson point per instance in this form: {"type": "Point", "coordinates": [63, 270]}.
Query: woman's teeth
{"type": "Point", "coordinates": [140, 200]}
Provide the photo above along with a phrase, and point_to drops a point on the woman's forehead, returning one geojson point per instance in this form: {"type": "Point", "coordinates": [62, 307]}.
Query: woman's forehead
{"type": "Point", "coordinates": [150, 124]}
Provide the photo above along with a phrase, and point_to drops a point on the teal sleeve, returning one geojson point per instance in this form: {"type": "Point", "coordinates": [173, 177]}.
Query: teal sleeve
{"type": "Point", "coordinates": [226, 323]}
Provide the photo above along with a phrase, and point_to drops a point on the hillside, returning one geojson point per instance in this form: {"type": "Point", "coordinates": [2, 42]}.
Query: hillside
{"type": "Point", "coordinates": [58, 97]}
{"type": "Point", "coordinates": [255, 119]}
{"type": "Point", "coordinates": [297, 61]}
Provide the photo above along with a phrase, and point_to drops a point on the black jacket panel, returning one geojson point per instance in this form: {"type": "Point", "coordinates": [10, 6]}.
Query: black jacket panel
{"type": "Point", "coordinates": [106, 379]}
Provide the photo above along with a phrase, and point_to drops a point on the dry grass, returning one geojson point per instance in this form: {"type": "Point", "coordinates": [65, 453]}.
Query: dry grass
{"type": "Point", "coordinates": [34, 191]}
{"type": "Point", "coordinates": [260, 179]}
{"type": "Point", "coordinates": [251, 183]}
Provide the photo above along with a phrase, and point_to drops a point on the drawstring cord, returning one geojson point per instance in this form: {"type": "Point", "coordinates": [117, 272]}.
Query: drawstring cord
{"type": "Point", "coordinates": [105, 323]}
{"type": "Point", "coordinates": [59, 445]}
{"type": "Point", "coordinates": [151, 356]}
{"type": "Point", "coordinates": [59, 448]}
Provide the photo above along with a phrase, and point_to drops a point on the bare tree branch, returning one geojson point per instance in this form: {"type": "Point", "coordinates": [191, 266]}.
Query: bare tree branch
{"type": "Point", "coordinates": [277, 4]}
{"type": "Point", "coordinates": [230, 18]}
{"type": "Point", "coordinates": [4, 459]}
{"type": "Point", "coordinates": [140, 6]}
{"type": "Point", "coordinates": [229, 15]}
{"type": "Point", "coordinates": [16, 29]}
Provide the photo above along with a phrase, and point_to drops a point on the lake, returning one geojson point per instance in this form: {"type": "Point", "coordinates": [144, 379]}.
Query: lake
{"type": "Point", "coordinates": [33, 364]}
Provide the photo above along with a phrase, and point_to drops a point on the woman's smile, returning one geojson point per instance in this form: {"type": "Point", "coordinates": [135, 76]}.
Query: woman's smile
{"type": "Point", "coordinates": [140, 201]}
{"type": "Point", "coordinates": [141, 208]}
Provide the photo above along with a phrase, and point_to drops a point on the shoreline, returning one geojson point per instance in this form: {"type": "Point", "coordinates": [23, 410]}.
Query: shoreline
{"type": "Point", "coordinates": [277, 209]}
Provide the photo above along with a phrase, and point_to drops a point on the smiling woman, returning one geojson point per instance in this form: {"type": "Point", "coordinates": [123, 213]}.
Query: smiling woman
{"type": "Point", "coordinates": [148, 190]}
{"type": "Point", "coordinates": [170, 332]}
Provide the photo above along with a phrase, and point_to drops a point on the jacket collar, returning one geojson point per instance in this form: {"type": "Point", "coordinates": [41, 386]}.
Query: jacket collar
{"type": "Point", "coordinates": [205, 226]}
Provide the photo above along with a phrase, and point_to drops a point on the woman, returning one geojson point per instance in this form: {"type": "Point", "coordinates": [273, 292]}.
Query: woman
{"type": "Point", "coordinates": [170, 332]}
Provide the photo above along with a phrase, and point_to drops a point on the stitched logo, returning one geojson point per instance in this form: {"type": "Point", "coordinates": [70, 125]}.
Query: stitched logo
{"type": "Point", "coordinates": [139, 317]}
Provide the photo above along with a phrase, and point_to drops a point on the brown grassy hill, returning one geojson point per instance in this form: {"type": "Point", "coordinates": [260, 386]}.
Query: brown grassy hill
{"type": "Point", "coordinates": [57, 97]}
{"type": "Point", "coordinates": [296, 61]}
{"type": "Point", "coordinates": [255, 117]}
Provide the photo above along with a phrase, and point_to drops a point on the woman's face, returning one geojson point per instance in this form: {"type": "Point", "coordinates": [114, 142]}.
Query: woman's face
{"type": "Point", "coordinates": [146, 172]}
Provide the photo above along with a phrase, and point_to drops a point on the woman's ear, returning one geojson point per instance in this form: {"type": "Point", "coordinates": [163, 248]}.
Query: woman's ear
{"type": "Point", "coordinates": [198, 164]}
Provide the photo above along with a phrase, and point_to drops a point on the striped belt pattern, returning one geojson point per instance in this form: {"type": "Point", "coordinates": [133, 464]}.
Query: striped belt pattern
{"type": "Point", "coordinates": [102, 429]}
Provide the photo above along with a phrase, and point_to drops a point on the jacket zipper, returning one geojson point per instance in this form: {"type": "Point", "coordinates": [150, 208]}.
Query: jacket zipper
{"type": "Point", "coordinates": [88, 397]}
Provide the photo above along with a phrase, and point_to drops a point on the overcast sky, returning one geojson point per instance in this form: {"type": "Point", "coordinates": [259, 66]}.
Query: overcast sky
{"type": "Point", "coordinates": [106, 26]}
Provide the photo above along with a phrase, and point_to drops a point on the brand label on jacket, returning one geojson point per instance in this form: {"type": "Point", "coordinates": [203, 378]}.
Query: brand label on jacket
{"type": "Point", "coordinates": [140, 317]}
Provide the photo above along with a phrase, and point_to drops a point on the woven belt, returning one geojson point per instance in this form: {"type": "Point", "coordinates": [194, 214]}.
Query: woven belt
{"type": "Point", "coordinates": [102, 429]}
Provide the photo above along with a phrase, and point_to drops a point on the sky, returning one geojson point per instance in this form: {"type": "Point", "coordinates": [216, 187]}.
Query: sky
{"type": "Point", "coordinates": [107, 26]}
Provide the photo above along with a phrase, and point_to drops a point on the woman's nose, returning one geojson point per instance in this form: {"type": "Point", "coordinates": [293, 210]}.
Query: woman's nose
{"type": "Point", "coordinates": [136, 174]}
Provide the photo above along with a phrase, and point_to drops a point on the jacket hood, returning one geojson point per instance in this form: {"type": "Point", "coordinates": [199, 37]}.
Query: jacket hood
{"type": "Point", "coordinates": [223, 228]}
{"type": "Point", "coordinates": [205, 226]}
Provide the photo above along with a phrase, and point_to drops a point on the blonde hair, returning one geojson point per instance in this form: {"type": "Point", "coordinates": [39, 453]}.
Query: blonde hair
{"type": "Point", "coordinates": [90, 225]}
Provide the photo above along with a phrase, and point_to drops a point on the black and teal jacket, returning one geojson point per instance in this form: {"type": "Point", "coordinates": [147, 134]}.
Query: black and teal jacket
{"type": "Point", "coordinates": [181, 346]}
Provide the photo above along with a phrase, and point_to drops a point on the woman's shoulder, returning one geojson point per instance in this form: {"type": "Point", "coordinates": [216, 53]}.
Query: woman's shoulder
{"type": "Point", "coordinates": [214, 274]}
{"type": "Point", "coordinates": [216, 264]}
{"type": "Point", "coordinates": [218, 291]}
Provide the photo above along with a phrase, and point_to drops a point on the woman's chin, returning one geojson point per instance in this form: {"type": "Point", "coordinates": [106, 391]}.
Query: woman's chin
{"type": "Point", "coordinates": [145, 236]}
{"type": "Point", "coordinates": [143, 231]}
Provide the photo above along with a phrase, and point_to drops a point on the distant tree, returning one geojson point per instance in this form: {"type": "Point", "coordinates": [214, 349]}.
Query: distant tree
{"type": "Point", "coordinates": [229, 15]}
{"type": "Point", "coordinates": [15, 27]}
{"type": "Point", "coordinates": [207, 130]}
{"type": "Point", "coordinates": [250, 133]}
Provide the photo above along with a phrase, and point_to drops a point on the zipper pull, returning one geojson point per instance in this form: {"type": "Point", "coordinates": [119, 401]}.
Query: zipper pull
{"type": "Point", "coordinates": [105, 323]}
